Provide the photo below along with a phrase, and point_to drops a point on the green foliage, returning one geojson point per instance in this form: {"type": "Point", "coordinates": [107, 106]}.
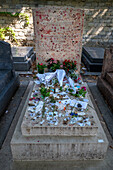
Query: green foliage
{"type": "Point", "coordinates": [73, 76]}
{"type": "Point", "coordinates": [52, 100]}
{"type": "Point", "coordinates": [61, 88]}
{"type": "Point", "coordinates": [9, 14]}
{"type": "Point", "coordinates": [55, 66]}
{"type": "Point", "coordinates": [80, 92]}
{"type": "Point", "coordinates": [55, 82]}
{"type": "Point", "coordinates": [44, 92]}
{"type": "Point", "coordinates": [41, 68]}
{"type": "Point", "coordinates": [69, 65]}
{"type": "Point", "coordinates": [70, 90]}
{"type": "Point", "coordinates": [7, 31]}
{"type": "Point", "coordinates": [23, 17]}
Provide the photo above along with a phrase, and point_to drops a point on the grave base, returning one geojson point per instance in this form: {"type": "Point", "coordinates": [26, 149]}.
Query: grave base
{"type": "Point", "coordinates": [106, 89]}
{"type": "Point", "coordinates": [7, 92]}
{"type": "Point", "coordinates": [91, 66]}
{"type": "Point", "coordinates": [25, 65]}
{"type": "Point", "coordinates": [44, 148]}
{"type": "Point", "coordinates": [92, 57]}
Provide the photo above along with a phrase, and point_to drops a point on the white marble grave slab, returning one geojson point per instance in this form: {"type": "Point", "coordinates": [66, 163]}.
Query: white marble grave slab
{"type": "Point", "coordinates": [31, 126]}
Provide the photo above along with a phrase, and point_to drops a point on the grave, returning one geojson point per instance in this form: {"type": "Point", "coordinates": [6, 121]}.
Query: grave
{"type": "Point", "coordinates": [93, 57]}
{"type": "Point", "coordinates": [23, 58]}
{"type": "Point", "coordinates": [105, 81]}
{"type": "Point", "coordinates": [9, 81]}
{"type": "Point", "coordinates": [51, 143]}
{"type": "Point", "coordinates": [58, 134]}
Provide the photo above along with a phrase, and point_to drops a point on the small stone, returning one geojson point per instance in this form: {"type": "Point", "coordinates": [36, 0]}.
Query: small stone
{"type": "Point", "coordinates": [65, 121]}
{"type": "Point", "coordinates": [31, 103]}
{"type": "Point", "coordinates": [42, 122]}
{"type": "Point", "coordinates": [79, 105]}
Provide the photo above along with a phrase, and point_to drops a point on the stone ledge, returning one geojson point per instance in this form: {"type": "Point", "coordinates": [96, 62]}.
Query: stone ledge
{"type": "Point", "coordinates": [106, 90]}
{"type": "Point", "coordinates": [109, 78]}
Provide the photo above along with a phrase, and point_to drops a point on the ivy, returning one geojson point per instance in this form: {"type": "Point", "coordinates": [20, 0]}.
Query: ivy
{"type": "Point", "coordinates": [9, 14]}
{"type": "Point", "coordinates": [21, 16]}
{"type": "Point", "coordinates": [24, 17]}
{"type": "Point", "coordinates": [7, 31]}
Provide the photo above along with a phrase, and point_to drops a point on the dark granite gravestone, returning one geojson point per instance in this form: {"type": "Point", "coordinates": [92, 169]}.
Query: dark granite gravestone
{"type": "Point", "coordinates": [23, 58]}
{"type": "Point", "coordinates": [9, 81]}
{"type": "Point", "coordinates": [105, 81]}
{"type": "Point", "coordinates": [93, 57]}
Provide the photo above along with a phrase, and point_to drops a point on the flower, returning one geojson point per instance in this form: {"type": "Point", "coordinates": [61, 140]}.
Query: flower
{"type": "Point", "coordinates": [53, 64]}
{"type": "Point", "coordinates": [41, 68]}
{"type": "Point", "coordinates": [61, 66]}
{"type": "Point", "coordinates": [55, 61]}
{"type": "Point", "coordinates": [69, 64]}
{"type": "Point", "coordinates": [78, 78]}
{"type": "Point", "coordinates": [83, 87]}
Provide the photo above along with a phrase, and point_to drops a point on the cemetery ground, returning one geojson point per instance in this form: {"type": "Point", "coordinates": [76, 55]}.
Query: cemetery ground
{"type": "Point", "coordinates": [10, 118]}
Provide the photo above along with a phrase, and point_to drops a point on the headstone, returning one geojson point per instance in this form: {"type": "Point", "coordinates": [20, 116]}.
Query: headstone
{"type": "Point", "coordinates": [6, 62]}
{"type": "Point", "coordinates": [58, 33]}
{"type": "Point", "coordinates": [105, 81]}
{"type": "Point", "coordinates": [9, 81]}
{"type": "Point", "coordinates": [93, 57]}
{"type": "Point", "coordinates": [23, 58]}
{"type": "Point", "coordinates": [21, 53]}
{"type": "Point", "coordinates": [108, 62]}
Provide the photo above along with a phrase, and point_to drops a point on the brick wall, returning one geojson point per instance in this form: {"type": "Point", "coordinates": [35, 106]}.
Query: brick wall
{"type": "Point", "coordinates": [98, 23]}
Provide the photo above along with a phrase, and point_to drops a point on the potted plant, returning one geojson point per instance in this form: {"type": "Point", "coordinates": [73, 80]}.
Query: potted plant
{"type": "Point", "coordinates": [41, 68]}
{"type": "Point", "coordinates": [53, 64]}
{"type": "Point", "coordinates": [69, 66]}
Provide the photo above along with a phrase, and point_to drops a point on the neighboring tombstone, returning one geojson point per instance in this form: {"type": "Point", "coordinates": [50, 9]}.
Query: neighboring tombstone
{"type": "Point", "coordinates": [105, 81]}
{"type": "Point", "coordinates": [108, 62]}
{"type": "Point", "coordinates": [23, 57]}
{"type": "Point", "coordinates": [93, 57]}
{"type": "Point", "coordinates": [9, 81]}
{"type": "Point", "coordinates": [6, 62]}
{"type": "Point", "coordinates": [58, 33]}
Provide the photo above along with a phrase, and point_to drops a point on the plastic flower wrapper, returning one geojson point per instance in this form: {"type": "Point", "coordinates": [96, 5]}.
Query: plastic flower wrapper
{"type": "Point", "coordinates": [41, 77]}
{"type": "Point", "coordinates": [60, 75]}
{"type": "Point", "coordinates": [71, 82]}
{"type": "Point", "coordinates": [49, 76]}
